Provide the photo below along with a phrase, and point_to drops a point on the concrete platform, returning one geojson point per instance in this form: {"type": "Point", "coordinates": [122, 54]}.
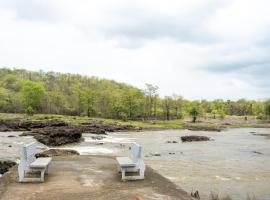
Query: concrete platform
{"type": "Point", "coordinates": [88, 177]}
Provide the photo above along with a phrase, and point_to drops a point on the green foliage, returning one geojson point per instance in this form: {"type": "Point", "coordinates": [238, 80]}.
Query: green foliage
{"type": "Point", "coordinates": [194, 113]}
{"type": "Point", "coordinates": [214, 113]}
{"type": "Point", "coordinates": [29, 111]}
{"type": "Point", "coordinates": [221, 114]}
{"type": "Point", "coordinates": [72, 94]}
{"type": "Point", "coordinates": [32, 95]}
{"type": "Point", "coordinates": [267, 108]}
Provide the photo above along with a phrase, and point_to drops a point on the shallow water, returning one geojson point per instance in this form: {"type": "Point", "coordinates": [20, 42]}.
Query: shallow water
{"type": "Point", "coordinates": [10, 146]}
{"type": "Point", "coordinates": [235, 162]}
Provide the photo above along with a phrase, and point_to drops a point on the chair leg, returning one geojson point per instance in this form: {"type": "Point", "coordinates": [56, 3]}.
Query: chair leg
{"type": "Point", "coordinates": [47, 170]}
{"type": "Point", "coordinates": [141, 173]}
{"type": "Point", "coordinates": [123, 174]}
{"type": "Point", "coordinates": [42, 172]}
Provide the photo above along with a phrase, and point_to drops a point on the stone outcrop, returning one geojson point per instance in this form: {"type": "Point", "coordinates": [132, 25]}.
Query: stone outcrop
{"type": "Point", "coordinates": [195, 138]}
{"type": "Point", "coordinates": [56, 133]}
{"type": "Point", "coordinates": [56, 136]}
{"type": "Point", "coordinates": [20, 125]}
{"type": "Point", "coordinates": [56, 152]}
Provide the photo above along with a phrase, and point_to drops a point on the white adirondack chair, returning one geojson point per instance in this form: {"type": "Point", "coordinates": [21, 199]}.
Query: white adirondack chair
{"type": "Point", "coordinates": [134, 163]}
{"type": "Point", "coordinates": [29, 163]}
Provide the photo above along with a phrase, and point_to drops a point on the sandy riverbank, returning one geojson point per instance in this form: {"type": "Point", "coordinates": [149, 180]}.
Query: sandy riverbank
{"type": "Point", "coordinates": [88, 177]}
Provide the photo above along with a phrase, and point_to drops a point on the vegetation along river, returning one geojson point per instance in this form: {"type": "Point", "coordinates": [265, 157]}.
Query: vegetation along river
{"type": "Point", "coordinates": [235, 162]}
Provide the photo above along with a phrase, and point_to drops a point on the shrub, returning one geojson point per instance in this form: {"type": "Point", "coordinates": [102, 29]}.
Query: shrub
{"type": "Point", "coordinates": [29, 111]}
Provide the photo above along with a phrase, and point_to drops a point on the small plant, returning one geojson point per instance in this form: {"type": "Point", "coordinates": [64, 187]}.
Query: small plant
{"type": "Point", "coordinates": [260, 116]}
{"type": "Point", "coordinates": [29, 111]}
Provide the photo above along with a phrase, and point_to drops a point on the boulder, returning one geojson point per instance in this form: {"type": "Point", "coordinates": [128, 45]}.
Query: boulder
{"type": "Point", "coordinates": [57, 152]}
{"type": "Point", "coordinates": [257, 152]}
{"type": "Point", "coordinates": [56, 136]}
{"type": "Point", "coordinates": [5, 165]}
{"type": "Point", "coordinates": [195, 138]}
{"type": "Point", "coordinates": [172, 141]}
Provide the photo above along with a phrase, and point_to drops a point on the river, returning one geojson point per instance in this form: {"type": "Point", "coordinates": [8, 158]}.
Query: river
{"type": "Point", "coordinates": [234, 162]}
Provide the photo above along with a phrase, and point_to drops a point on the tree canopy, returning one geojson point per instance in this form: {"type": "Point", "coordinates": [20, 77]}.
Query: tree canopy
{"type": "Point", "coordinates": [72, 94]}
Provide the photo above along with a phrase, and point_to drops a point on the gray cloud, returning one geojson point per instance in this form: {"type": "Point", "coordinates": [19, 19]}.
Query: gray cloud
{"type": "Point", "coordinates": [137, 24]}
{"type": "Point", "coordinates": [191, 42]}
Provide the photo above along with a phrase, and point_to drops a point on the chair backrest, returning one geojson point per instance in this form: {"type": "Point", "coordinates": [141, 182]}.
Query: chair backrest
{"type": "Point", "coordinates": [28, 153]}
{"type": "Point", "coordinates": [136, 152]}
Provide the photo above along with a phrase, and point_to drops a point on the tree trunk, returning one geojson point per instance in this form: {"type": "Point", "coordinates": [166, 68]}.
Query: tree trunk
{"type": "Point", "coordinates": [194, 118]}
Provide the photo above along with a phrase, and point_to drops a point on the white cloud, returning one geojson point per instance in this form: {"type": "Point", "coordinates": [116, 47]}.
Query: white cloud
{"type": "Point", "coordinates": [199, 49]}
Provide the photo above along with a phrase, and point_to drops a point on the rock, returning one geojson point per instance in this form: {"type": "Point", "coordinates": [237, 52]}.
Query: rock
{"type": "Point", "coordinates": [155, 154]}
{"type": "Point", "coordinates": [55, 133]}
{"type": "Point", "coordinates": [56, 136]}
{"type": "Point", "coordinates": [227, 124]}
{"type": "Point", "coordinates": [262, 134]}
{"type": "Point", "coordinates": [195, 195]}
{"type": "Point", "coordinates": [196, 138]}
{"type": "Point", "coordinates": [257, 152]}
{"type": "Point", "coordinates": [57, 152]}
{"type": "Point", "coordinates": [100, 143]}
{"type": "Point", "coordinates": [9, 146]}
{"type": "Point", "coordinates": [20, 125]}
{"type": "Point", "coordinates": [99, 127]}
{"type": "Point", "coordinates": [5, 165]}
{"type": "Point", "coordinates": [172, 141]}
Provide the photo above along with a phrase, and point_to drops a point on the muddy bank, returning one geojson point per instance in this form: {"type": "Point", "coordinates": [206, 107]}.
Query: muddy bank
{"type": "Point", "coordinates": [203, 127]}
{"type": "Point", "coordinates": [91, 177]}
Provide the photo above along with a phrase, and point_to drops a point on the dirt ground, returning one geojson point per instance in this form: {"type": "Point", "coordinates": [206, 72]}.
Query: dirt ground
{"type": "Point", "coordinates": [88, 177]}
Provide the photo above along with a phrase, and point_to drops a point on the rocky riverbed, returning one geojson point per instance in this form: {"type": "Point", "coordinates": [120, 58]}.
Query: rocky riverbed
{"type": "Point", "coordinates": [56, 133]}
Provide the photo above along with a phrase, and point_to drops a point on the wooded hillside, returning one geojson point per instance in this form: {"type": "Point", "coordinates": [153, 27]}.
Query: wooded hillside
{"type": "Point", "coordinates": [72, 94]}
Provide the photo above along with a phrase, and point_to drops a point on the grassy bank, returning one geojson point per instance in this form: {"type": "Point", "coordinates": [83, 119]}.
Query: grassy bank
{"type": "Point", "coordinates": [204, 123]}
{"type": "Point", "coordinates": [156, 124]}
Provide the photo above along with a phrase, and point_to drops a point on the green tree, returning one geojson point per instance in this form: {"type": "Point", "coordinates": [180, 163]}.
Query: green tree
{"type": "Point", "coordinates": [89, 100]}
{"type": "Point", "coordinates": [132, 101]}
{"type": "Point", "coordinates": [32, 95]}
{"type": "Point", "coordinates": [221, 114]}
{"type": "Point", "coordinates": [194, 113]}
{"type": "Point", "coordinates": [178, 105]}
{"type": "Point", "coordinates": [214, 113]}
{"type": "Point", "coordinates": [167, 106]}
{"type": "Point", "coordinates": [151, 99]}
{"type": "Point", "coordinates": [267, 108]}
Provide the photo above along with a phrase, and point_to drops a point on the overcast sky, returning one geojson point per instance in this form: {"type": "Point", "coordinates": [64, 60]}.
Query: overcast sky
{"type": "Point", "coordinates": [200, 49]}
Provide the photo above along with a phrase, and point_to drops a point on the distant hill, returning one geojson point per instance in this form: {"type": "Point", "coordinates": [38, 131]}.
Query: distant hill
{"type": "Point", "coordinates": [23, 91]}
